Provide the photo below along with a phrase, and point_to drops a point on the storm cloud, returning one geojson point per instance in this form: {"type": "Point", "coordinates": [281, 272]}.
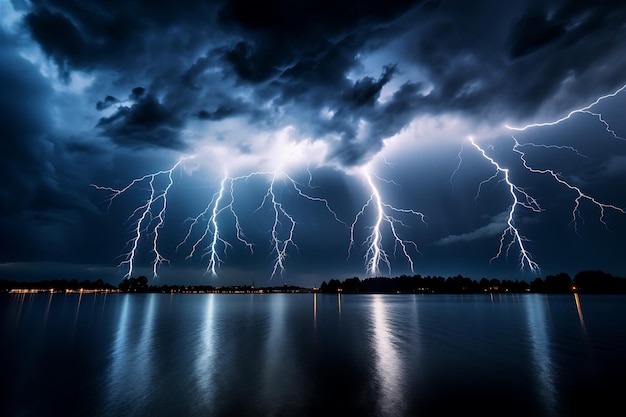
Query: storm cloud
{"type": "Point", "coordinates": [97, 91]}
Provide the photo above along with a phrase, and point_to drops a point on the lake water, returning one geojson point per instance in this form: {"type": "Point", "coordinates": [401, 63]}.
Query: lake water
{"type": "Point", "coordinates": [312, 355]}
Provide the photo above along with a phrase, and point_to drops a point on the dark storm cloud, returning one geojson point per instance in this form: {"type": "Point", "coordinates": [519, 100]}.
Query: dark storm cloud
{"type": "Point", "coordinates": [302, 55]}
{"type": "Point", "coordinates": [507, 60]}
{"type": "Point", "coordinates": [523, 41]}
{"type": "Point", "coordinates": [227, 107]}
{"type": "Point", "coordinates": [100, 34]}
{"type": "Point", "coordinates": [147, 122]}
{"type": "Point", "coordinates": [38, 194]}
{"type": "Point", "coordinates": [106, 103]}
{"type": "Point", "coordinates": [151, 78]}
{"type": "Point", "coordinates": [282, 32]}
{"type": "Point", "coordinates": [30, 178]}
{"type": "Point", "coordinates": [128, 43]}
{"type": "Point", "coordinates": [384, 120]}
{"type": "Point", "coordinates": [484, 59]}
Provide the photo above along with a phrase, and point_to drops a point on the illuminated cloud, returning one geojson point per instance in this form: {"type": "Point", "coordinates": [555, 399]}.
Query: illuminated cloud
{"type": "Point", "coordinates": [309, 94]}
{"type": "Point", "coordinates": [493, 228]}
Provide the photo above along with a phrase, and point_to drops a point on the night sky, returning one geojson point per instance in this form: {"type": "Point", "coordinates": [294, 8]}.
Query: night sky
{"type": "Point", "coordinates": [308, 113]}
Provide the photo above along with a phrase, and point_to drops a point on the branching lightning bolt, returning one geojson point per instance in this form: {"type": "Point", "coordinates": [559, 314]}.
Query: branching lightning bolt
{"type": "Point", "coordinates": [580, 194]}
{"type": "Point", "coordinates": [584, 110]}
{"type": "Point", "coordinates": [458, 166]}
{"type": "Point", "coordinates": [280, 246]}
{"type": "Point", "coordinates": [150, 216]}
{"type": "Point", "coordinates": [212, 226]}
{"type": "Point", "coordinates": [561, 147]}
{"type": "Point", "coordinates": [280, 242]}
{"type": "Point", "coordinates": [148, 219]}
{"type": "Point", "coordinates": [520, 198]}
{"type": "Point", "coordinates": [375, 253]}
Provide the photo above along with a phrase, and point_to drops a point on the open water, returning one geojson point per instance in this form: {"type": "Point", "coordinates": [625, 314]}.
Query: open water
{"type": "Point", "coordinates": [312, 355]}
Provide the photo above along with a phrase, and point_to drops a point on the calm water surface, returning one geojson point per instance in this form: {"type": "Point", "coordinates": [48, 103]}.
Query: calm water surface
{"type": "Point", "coordinates": [312, 355]}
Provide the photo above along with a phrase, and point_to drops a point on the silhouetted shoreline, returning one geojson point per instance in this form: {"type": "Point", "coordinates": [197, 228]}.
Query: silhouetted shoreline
{"type": "Point", "coordinates": [585, 282]}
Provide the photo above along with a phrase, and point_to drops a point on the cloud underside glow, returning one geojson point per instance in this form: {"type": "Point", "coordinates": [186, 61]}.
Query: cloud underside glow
{"type": "Point", "coordinates": [276, 155]}
{"type": "Point", "coordinates": [274, 137]}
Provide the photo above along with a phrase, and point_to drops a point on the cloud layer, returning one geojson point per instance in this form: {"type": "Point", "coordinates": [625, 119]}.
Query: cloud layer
{"type": "Point", "coordinates": [104, 92]}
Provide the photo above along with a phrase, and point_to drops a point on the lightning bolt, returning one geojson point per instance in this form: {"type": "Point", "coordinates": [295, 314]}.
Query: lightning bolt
{"type": "Point", "coordinates": [375, 253]}
{"type": "Point", "coordinates": [281, 245]}
{"type": "Point", "coordinates": [539, 145]}
{"type": "Point", "coordinates": [147, 218]}
{"type": "Point", "coordinates": [580, 195]}
{"type": "Point", "coordinates": [458, 166]}
{"type": "Point", "coordinates": [582, 110]}
{"type": "Point", "coordinates": [212, 226]}
{"type": "Point", "coordinates": [520, 198]}
{"type": "Point", "coordinates": [280, 241]}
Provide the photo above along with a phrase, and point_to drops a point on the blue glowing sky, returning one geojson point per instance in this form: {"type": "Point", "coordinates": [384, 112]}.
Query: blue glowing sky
{"type": "Point", "coordinates": [305, 112]}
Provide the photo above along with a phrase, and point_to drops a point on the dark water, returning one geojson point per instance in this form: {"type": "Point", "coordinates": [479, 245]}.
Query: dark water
{"type": "Point", "coordinates": [312, 355]}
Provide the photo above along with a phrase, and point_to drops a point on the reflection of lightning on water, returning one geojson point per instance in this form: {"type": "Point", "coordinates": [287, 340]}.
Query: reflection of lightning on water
{"type": "Point", "coordinates": [149, 217]}
{"type": "Point", "coordinates": [520, 198]}
{"type": "Point", "coordinates": [375, 252]}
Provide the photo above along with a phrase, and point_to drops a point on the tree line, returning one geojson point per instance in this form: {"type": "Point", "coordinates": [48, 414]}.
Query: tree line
{"type": "Point", "coordinates": [59, 285]}
{"type": "Point", "coordinates": [585, 282]}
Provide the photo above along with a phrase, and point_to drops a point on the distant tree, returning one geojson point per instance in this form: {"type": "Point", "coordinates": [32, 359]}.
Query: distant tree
{"type": "Point", "coordinates": [560, 283]}
{"type": "Point", "coordinates": [332, 286]}
{"type": "Point", "coordinates": [538, 285]}
{"type": "Point", "coordinates": [599, 282]}
{"type": "Point", "coordinates": [125, 285]}
{"type": "Point", "coordinates": [142, 283]}
{"type": "Point", "coordinates": [377, 285]}
{"type": "Point", "coordinates": [351, 285]}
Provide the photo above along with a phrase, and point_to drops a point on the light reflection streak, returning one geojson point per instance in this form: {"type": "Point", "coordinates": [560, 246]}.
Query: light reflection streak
{"type": "Point", "coordinates": [206, 356]}
{"type": "Point", "coordinates": [274, 357]}
{"type": "Point", "coordinates": [45, 317]}
{"type": "Point", "coordinates": [315, 311]}
{"type": "Point", "coordinates": [580, 312]}
{"type": "Point", "coordinates": [281, 377]}
{"type": "Point", "coordinates": [20, 305]}
{"type": "Point", "coordinates": [538, 333]}
{"type": "Point", "coordinates": [104, 301]}
{"type": "Point", "coordinates": [339, 304]}
{"type": "Point", "coordinates": [131, 363]}
{"type": "Point", "coordinates": [145, 349]}
{"type": "Point", "coordinates": [94, 299]}
{"type": "Point", "coordinates": [388, 367]}
{"type": "Point", "coordinates": [119, 350]}
{"type": "Point", "coordinates": [80, 297]}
